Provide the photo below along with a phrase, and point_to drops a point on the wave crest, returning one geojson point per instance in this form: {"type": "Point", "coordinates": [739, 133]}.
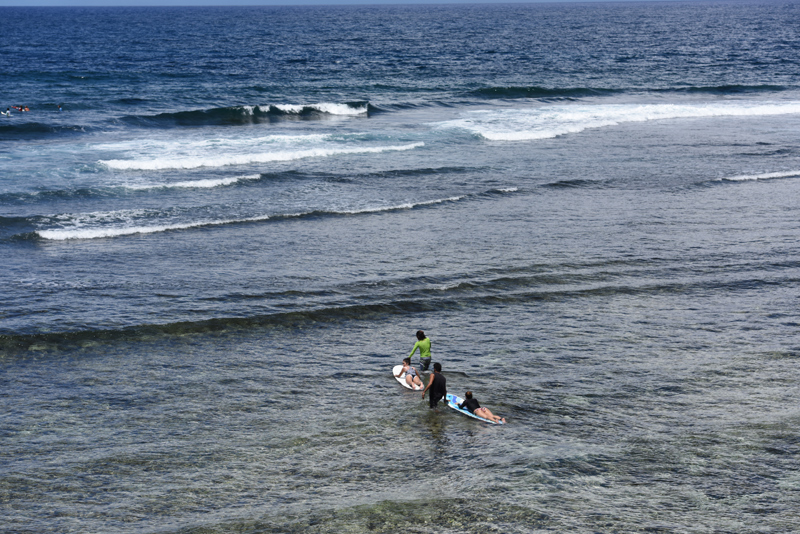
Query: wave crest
{"type": "Point", "coordinates": [763, 176]}
{"type": "Point", "coordinates": [246, 159]}
{"type": "Point", "coordinates": [547, 122]}
{"type": "Point", "coordinates": [114, 230]}
{"type": "Point", "coordinates": [250, 114]}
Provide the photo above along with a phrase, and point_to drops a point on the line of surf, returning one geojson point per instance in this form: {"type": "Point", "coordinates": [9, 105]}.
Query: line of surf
{"type": "Point", "coordinates": [249, 114]}
{"type": "Point", "coordinates": [763, 176]}
{"type": "Point", "coordinates": [207, 183]}
{"type": "Point", "coordinates": [323, 107]}
{"type": "Point", "coordinates": [195, 184]}
{"type": "Point", "coordinates": [397, 305]}
{"type": "Point", "coordinates": [63, 234]}
{"type": "Point", "coordinates": [246, 159]}
{"type": "Point", "coordinates": [546, 122]}
{"type": "Point", "coordinates": [112, 189]}
{"type": "Point", "coordinates": [174, 144]}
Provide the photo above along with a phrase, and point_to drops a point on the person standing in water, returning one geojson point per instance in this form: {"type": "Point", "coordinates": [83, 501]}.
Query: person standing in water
{"type": "Point", "coordinates": [437, 384]}
{"type": "Point", "coordinates": [424, 345]}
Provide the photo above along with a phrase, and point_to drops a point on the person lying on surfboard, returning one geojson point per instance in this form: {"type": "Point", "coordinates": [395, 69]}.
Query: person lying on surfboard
{"type": "Point", "coordinates": [412, 377]}
{"type": "Point", "coordinates": [472, 406]}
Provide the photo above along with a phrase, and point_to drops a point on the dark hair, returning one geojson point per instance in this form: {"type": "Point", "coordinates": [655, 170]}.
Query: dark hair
{"type": "Point", "coordinates": [437, 366]}
{"type": "Point", "coordinates": [407, 360]}
{"type": "Point", "coordinates": [420, 335]}
{"type": "Point", "coordinates": [468, 394]}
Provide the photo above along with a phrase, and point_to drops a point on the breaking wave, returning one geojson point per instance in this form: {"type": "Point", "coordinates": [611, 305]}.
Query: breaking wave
{"type": "Point", "coordinates": [79, 229]}
{"type": "Point", "coordinates": [763, 176]}
{"type": "Point", "coordinates": [195, 184]}
{"type": "Point", "coordinates": [130, 222]}
{"type": "Point", "coordinates": [224, 159]}
{"type": "Point", "coordinates": [546, 122]}
{"type": "Point", "coordinates": [249, 114]}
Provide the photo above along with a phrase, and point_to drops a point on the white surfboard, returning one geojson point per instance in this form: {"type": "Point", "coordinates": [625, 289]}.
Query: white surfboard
{"type": "Point", "coordinates": [402, 378]}
{"type": "Point", "coordinates": [453, 401]}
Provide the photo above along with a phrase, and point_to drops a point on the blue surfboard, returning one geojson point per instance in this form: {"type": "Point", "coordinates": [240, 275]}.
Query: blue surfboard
{"type": "Point", "coordinates": [453, 401]}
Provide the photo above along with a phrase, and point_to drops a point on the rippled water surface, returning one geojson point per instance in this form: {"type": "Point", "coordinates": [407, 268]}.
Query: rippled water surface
{"type": "Point", "coordinates": [215, 253]}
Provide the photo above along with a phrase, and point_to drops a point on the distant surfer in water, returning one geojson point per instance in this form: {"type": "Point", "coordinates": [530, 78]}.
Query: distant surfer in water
{"type": "Point", "coordinates": [472, 406]}
{"type": "Point", "coordinates": [437, 384]}
{"type": "Point", "coordinates": [424, 345]}
{"type": "Point", "coordinates": [412, 378]}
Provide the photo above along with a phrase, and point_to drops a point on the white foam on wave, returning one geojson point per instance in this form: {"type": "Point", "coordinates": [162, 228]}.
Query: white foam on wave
{"type": "Point", "coordinates": [764, 176]}
{"type": "Point", "coordinates": [199, 184]}
{"type": "Point", "coordinates": [551, 121]}
{"type": "Point", "coordinates": [81, 231]}
{"type": "Point", "coordinates": [329, 108]}
{"type": "Point", "coordinates": [63, 234]}
{"type": "Point", "coordinates": [185, 145]}
{"type": "Point", "coordinates": [225, 159]}
{"type": "Point", "coordinates": [324, 107]}
{"type": "Point", "coordinates": [407, 205]}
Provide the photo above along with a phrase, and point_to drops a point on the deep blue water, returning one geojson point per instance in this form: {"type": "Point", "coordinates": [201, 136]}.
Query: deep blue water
{"type": "Point", "coordinates": [214, 254]}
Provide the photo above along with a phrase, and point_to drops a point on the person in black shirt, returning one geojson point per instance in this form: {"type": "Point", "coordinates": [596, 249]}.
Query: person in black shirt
{"type": "Point", "coordinates": [473, 407]}
{"type": "Point", "coordinates": [437, 384]}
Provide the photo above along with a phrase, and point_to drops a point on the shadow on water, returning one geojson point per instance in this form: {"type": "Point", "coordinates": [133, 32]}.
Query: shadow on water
{"type": "Point", "coordinates": [436, 424]}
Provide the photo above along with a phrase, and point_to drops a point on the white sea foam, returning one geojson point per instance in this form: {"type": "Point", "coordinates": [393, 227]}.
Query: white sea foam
{"type": "Point", "coordinates": [62, 234]}
{"type": "Point", "coordinates": [551, 121]}
{"type": "Point", "coordinates": [81, 223]}
{"type": "Point", "coordinates": [199, 184]}
{"type": "Point", "coordinates": [324, 107]}
{"type": "Point", "coordinates": [286, 108]}
{"type": "Point", "coordinates": [407, 205]}
{"type": "Point", "coordinates": [764, 176]}
{"type": "Point", "coordinates": [95, 233]}
{"type": "Point", "coordinates": [188, 144]}
{"type": "Point", "coordinates": [448, 287]}
{"type": "Point", "coordinates": [225, 159]}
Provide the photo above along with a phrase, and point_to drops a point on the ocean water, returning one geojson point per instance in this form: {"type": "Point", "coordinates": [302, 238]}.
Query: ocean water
{"type": "Point", "coordinates": [214, 254]}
